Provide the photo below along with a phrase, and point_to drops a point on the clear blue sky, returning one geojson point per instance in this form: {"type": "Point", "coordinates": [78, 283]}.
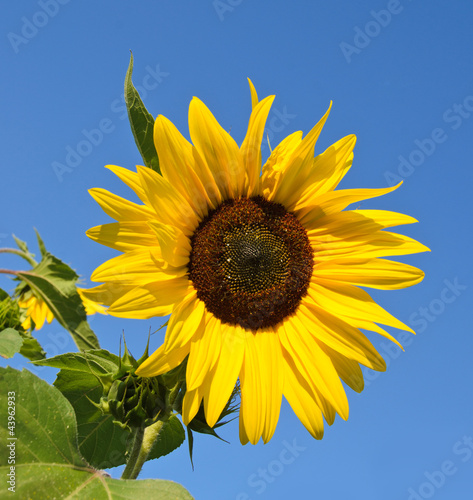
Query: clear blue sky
{"type": "Point", "coordinates": [400, 76]}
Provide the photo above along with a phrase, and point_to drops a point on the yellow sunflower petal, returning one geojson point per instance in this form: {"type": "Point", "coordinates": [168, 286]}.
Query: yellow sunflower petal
{"type": "Point", "coordinates": [107, 293]}
{"type": "Point", "coordinates": [379, 244]}
{"type": "Point", "coordinates": [204, 352]}
{"type": "Point", "coordinates": [153, 299]}
{"type": "Point", "coordinates": [340, 336]}
{"type": "Point", "coordinates": [221, 380]}
{"type": "Point", "coordinates": [301, 159]}
{"type": "Point", "coordinates": [270, 355]}
{"type": "Point", "coordinates": [348, 370]}
{"type": "Point", "coordinates": [91, 307]}
{"type": "Point", "coordinates": [159, 363]}
{"type": "Point", "coordinates": [131, 179]}
{"type": "Point", "coordinates": [254, 94]}
{"type": "Point", "coordinates": [242, 430]}
{"type": "Point", "coordinates": [191, 404]}
{"type": "Point", "coordinates": [187, 319]}
{"type": "Point", "coordinates": [299, 396]}
{"type": "Point", "coordinates": [320, 176]}
{"type": "Point", "coordinates": [302, 372]}
{"type": "Point", "coordinates": [299, 343]}
{"type": "Point", "coordinates": [138, 266]}
{"type": "Point", "coordinates": [351, 302]}
{"type": "Point", "coordinates": [175, 245]}
{"type": "Point", "coordinates": [183, 168]}
{"type": "Point", "coordinates": [275, 166]}
{"type": "Point", "coordinates": [374, 273]}
{"type": "Point", "coordinates": [170, 207]}
{"type": "Point", "coordinates": [123, 236]}
{"type": "Point", "coordinates": [218, 149]}
{"type": "Point", "coordinates": [336, 201]}
{"type": "Point", "coordinates": [356, 222]}
{"type": "Point", "coordinates": [252, 408]}
{"type": "Point", "coordinates": [251, 147]}
{"type": "Point", "coordinates": [120, 209]}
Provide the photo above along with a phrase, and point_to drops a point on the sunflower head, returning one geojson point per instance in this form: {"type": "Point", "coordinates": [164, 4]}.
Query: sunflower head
{"type": "Point", "coordinates": [36, 310]}
{"type": "Point", "coordinates": [259, 266]}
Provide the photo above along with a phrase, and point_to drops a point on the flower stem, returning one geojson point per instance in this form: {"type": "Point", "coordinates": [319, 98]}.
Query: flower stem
{"type": "Point", "coordinates": [143, 442]}
{"type": "Point", "coordinates": [20, 253]}
{"type": "Point", "coordinates": [8, 271]}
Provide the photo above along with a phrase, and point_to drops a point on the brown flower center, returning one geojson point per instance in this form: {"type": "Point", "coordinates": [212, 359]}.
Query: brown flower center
{"type": "Point", "coordinates": [251, 262]}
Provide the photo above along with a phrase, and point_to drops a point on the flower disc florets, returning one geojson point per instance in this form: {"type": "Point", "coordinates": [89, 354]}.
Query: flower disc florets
{"type": "Point", "coordinates": [251, 262]}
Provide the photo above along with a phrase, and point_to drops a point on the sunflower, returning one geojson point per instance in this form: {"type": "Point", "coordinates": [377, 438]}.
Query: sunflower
{"type": "Point", "coordinates": [259, 267]}
{"type": "Point", "coordinates": [38, 311]}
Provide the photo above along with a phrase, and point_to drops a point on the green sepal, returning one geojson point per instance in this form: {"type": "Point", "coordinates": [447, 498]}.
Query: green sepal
{"type": "Point", "coordinates": [141, 122]}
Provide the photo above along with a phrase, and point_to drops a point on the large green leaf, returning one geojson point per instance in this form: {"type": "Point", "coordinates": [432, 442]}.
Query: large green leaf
{"type": "Point", "coordinates": [10, 342]}
{"type": "Point", "coordinates": [79, 381]}
{"type": "Point", "coordinates": [172, 435]}
{"type": "Point", "coordinates": [141, 122]}
{"type": "Point", "coordinates": [48, 463]}
{"type": "Point", "coordinates": [54, 282]}
{"type": "Point", "coordinates": [101, 442]}
{"type": "Point", "coordinates": [97, 362]}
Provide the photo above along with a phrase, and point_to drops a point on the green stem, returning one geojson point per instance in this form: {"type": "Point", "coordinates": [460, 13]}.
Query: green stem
{"type": "Point", "coordinates": [20, 253]}
{"type": "Point", "coordinates": [142, 445]}
{"type": "Point", "coordinates": [135, 451]}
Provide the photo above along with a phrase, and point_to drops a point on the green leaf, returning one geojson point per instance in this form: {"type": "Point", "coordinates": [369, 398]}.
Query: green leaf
{"type": "Point", "coordinates": [26, 253]}
{"type": "Point", "coordinates": [98, 362]}
{"type": "Point", "coordinates": [190, 440]}
{"type": "Point", "coordinates": [54, 282]}
{"type": "Point", "coordinates": [31, 348]}
{"type": "Point", "coordinates": [48, 463]}
{"type": "Point", "coordinates": [101, 442]}
{"type": "Point", "coordinates": [172, 435]}
{"type": "Point", "coordinates": [141, 122]}
{"type": "Point", "coordinates": [10, 342]}
{"type": "Point", "coordinates": [41, 246]}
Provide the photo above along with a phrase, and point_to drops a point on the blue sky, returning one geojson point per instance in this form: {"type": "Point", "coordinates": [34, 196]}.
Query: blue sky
{"type": "Point", "coordinates": [399, 73]}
